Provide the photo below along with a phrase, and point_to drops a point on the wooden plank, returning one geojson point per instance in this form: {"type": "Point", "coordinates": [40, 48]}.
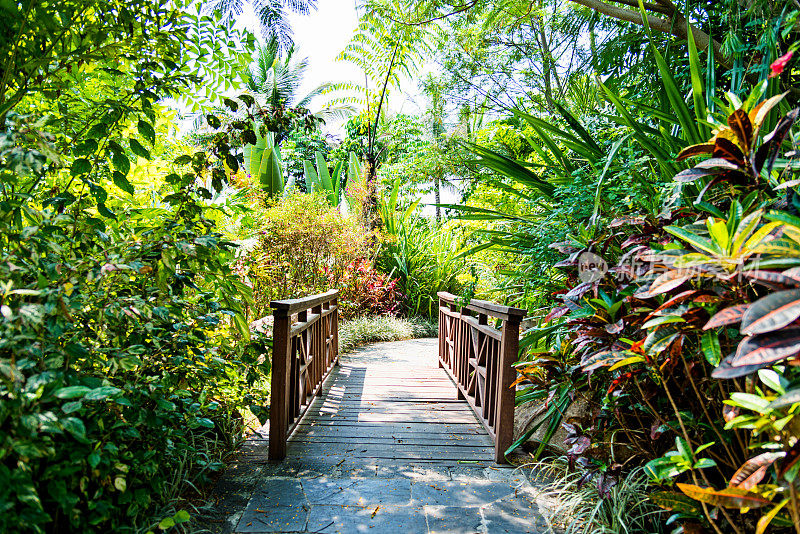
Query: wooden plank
{"type": "Point", "coordinates": [415, 440]}
{"type": "Point", "coordinates": [279, 401]}
{"type": "Point", "coordinates": [290, 306]}
{"type": "Point", "coordinates": [398, 437]}
{"type": "Point", "coordinates": [392, 418]}
{"type": "Point", "coordinates": [391, 451]}
{"type": "Point", "coordinates": [387, 430]}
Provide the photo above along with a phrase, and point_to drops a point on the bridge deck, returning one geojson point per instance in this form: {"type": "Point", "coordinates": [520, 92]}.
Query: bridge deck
{"type": "Point", "coordinates": [387, 445]}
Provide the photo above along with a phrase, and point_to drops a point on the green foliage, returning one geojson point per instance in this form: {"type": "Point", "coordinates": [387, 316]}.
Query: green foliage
{"type": "Point", "coordinates": [303, 246]}
{"type": "Point", "coordinates": [125, 360]}
{"type": "Point", "coordinates": [263, 163]}
{"type": "Point", "coordinates": [115, 361]}
{"type": "Point", "coordinates": [424, 258]}
{"type": "Point", "coordinates": [583, 505]}
{"type": "Point", "coordinates": [333, 185]}
{"type": "Point", "coordinates": [360, 331]}
{"type": "Point", "coordinates": [700, 286]}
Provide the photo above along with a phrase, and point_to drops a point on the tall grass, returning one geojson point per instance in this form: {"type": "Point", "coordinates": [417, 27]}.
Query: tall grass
{"type": "Point", "coordinates": [574, 505]}
{"type": "Point", "coordinates": [424, 257]}
{"type": "Point", "coordinates": [364, 330]}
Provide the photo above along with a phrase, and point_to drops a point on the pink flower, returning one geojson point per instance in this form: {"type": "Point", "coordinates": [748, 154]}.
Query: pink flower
{"type": "Point", "coordinates": [779, 64]}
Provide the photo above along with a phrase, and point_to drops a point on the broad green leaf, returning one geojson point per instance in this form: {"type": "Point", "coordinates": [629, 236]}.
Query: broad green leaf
{"type": "Point", "coordinates": [693, 239]}
{"type": "Point", "coordinates": [771, 379]}
{"type": "Point", "coordinates": [746, 227]}
{"type": "Point", "coordinates": [80, 166]}
{"type": "Point", "coordinates": [122, 182]}
{"type": "Point", "coordinates": [121, 162]}
{"type": "Point", "coordinates": [711, 348]}
{"type": "Point", "coordinates": [102, 393]}
{"type": "Point", "coordinates": [85, 148]}
{"type": "Point", "coordinates": [138, 149]}
{"type": "Point", "coordinates": [72, 392]}
{"type": "Point", "coordinates": [75, 426]}
{"type": "Point", "coordinates": [71, 407]}
{"type": "Point", "coordinates": [719, 234]}
{"type": "Point", "coordinates": [658, 340]}
{"type": "Point", "coordinates": [662, 320]}
{"type": "Point", "coordinates": [704, 463]}
{"type": "Point", "coordinates": [146, 130]}
{"type": "Point", "coordinates": [750, 401]}
{"type": "Point", "coordinates": [310, 174]}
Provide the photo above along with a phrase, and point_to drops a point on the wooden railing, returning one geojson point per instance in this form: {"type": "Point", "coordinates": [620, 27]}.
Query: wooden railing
{"type": "Point", "coordinates": [479, 358]}
{"type": "Point", "coordinates": [304, 352]}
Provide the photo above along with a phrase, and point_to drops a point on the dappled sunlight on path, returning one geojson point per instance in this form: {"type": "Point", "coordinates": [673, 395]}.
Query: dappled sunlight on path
{"type": "Point", "coordinates": [387, 447]}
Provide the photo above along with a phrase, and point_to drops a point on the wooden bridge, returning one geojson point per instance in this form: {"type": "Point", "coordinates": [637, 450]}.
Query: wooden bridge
{"type": "Point", "coordinates": [403, 437]}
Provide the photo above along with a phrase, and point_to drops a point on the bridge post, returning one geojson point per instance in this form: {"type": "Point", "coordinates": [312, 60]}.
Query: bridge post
{"type": "Point", "coordinates": [509, 351]}
{"type": "Point", "coordinates": [279, 397]}
{"type": "Point", "coordinates": [299, 361]}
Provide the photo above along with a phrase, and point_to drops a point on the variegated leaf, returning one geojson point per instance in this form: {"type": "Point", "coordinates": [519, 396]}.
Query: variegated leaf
{"type": "Point", "coordinates": [772, 312]}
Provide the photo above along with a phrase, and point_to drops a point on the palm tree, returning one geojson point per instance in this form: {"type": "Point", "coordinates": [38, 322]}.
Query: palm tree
{"type": "Point", "coordinates": [275, 79]}
{"type": "Point", "coordinates": [271, 15]}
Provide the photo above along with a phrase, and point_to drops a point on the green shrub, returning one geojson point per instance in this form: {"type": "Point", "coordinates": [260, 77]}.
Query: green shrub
{"type": "Point", "coordinates": [364, 330]}
{"type": "Point", "coordinates": [424, 257]}
{"type": "Point", "coordinates": [305, 246]}
{"type": "Point", "coordinates": [116, 374]}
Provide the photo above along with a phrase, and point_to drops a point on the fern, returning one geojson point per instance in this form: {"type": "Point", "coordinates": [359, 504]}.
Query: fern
{"type": "Point", "coordinates": [271, 15]}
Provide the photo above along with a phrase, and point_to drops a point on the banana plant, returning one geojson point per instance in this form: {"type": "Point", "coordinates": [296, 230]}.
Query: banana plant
{"type": "Point", "coordinates": [332, 184]}
{"type": "Point", "coordinates": [263, 162]}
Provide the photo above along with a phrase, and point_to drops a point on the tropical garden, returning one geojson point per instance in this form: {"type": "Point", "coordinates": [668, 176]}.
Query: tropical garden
{"type": "Point", "coordinates": [625, 171]}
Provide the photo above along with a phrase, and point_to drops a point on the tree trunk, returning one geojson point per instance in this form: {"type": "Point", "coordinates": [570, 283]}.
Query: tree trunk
{"type": "Point", "coordinates": [437, 195]}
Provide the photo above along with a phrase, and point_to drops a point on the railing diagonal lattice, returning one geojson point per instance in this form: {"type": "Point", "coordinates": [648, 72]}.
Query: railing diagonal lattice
{"type": "Point", "coordinates": [479, 358]}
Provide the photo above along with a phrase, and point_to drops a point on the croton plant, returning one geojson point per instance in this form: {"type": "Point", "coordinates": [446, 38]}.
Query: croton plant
{"type": "Point", "coordinates": [693, 337]}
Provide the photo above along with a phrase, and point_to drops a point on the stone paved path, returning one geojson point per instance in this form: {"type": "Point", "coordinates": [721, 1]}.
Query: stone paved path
{"type": "Point", "coordinates": [387, 448]}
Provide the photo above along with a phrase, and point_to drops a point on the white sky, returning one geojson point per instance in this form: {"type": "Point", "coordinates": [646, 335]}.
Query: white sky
{"type": "Point", "coordinates": [321, 36]}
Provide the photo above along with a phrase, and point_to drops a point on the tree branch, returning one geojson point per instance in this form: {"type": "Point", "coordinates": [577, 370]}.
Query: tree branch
{"type": "Point", "coordinates": [675, 25]}
{"type": "Point", "coordinates": [456, 10]}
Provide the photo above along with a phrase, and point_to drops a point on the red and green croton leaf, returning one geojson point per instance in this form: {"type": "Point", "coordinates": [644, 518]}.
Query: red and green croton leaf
{"type": "Point", "coordinates": [771, 312]}
{"type": "Point", "coordinates": [753, 470]}
{"type": "Point", "coordinates": [727, 316]}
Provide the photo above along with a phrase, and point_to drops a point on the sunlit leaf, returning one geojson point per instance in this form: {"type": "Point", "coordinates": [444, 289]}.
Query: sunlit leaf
{"type": "Point", "coordinates": [726, 498]}
{"type": "Point", "coordinates": [753, 470]}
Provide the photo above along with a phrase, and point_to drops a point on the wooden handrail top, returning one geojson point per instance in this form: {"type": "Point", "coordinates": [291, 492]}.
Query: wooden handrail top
{"type": "Point", "coordinates": [486, 307]}
{"type": "Point", "coordinates": [294, 305]}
